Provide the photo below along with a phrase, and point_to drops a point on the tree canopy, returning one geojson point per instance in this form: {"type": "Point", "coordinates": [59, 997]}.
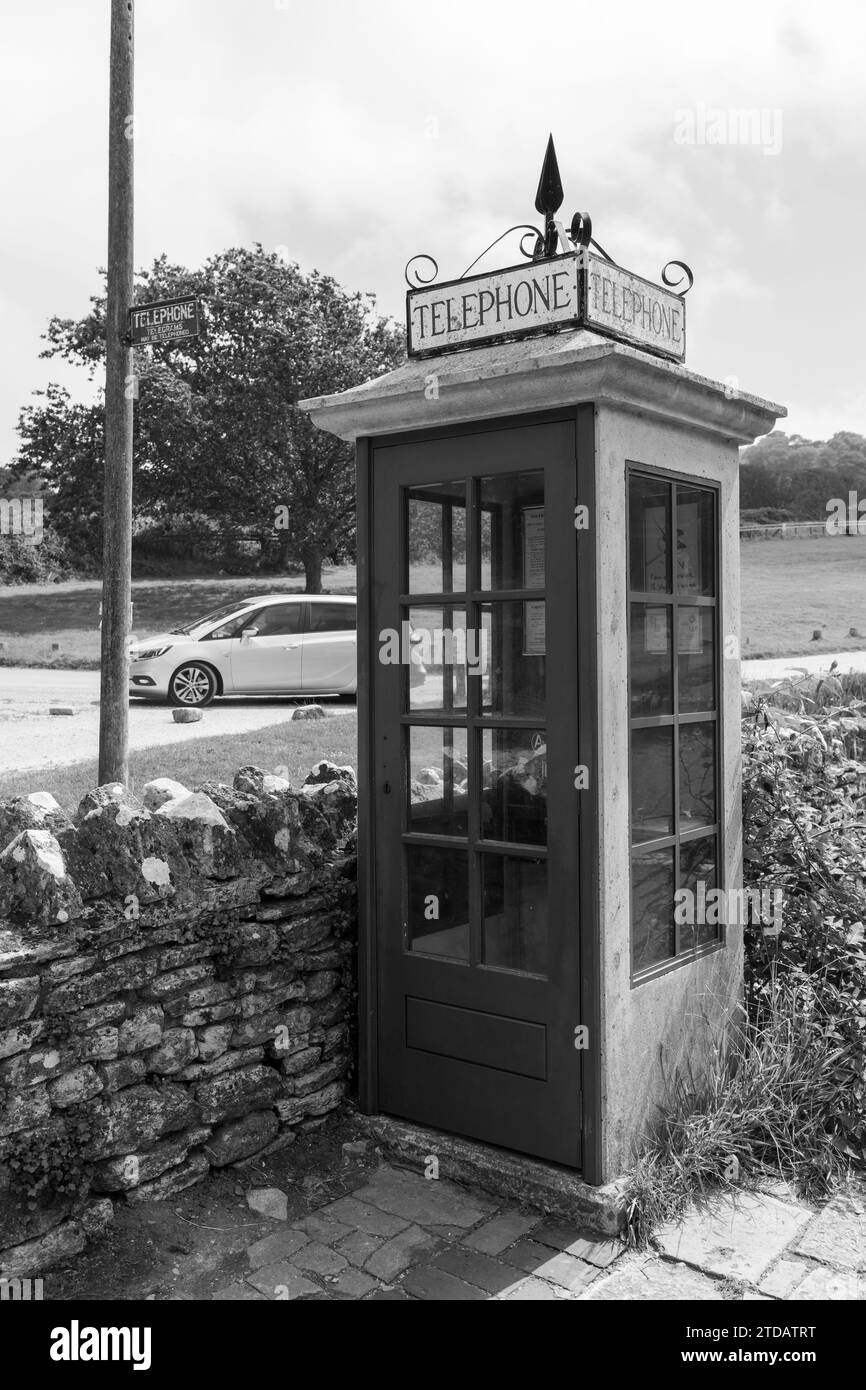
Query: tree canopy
{"type": "Point", "coordinates": [219, 439]}
{"type": "Point", "coordinates": [799, 476]}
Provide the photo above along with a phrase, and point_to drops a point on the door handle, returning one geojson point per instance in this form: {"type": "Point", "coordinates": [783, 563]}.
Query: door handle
{"type": "Point", "coordinates": [293, 646]}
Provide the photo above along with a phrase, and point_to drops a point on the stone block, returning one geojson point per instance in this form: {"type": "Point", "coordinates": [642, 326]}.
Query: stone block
{"type": "Point", "coordinates": [213, 1040]}
{"type": "Point", "coordinates": [24, 1109]}
{"type": "Point", "coordinates": [126, 1171]}
{"type": "Point", "coordinates": [175, 1180]}
{"type": "Point", "coordinates": [125, 1071]}
{"type": "Point", "coordinates": [177, 1047]}
{"type": "Point", "coordinates": [240, 1138]}
{"type": "Point", "coordinates": [232, 1095]}
{"type": "Point", "coordinates": [74, 1087]}
{"type": "Point", "coordinates": [143, 1030]}
{"type": "Point", "coordinates": [18, 999]}
{"type": "Point", "coordinates": [20, 1037]}
{"type": "Point", "coordinates": [735, 1236]}
{"type": "Point", "coordinates": [205, 836]}
{"type": "Point", "coordinates": [35, 887]}
{"type": "Point", "coordinates": [35, 1256]}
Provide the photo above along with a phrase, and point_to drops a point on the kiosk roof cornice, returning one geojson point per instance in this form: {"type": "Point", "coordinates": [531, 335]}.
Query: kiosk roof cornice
{"type": "Point", "coordinates": [543, 373]}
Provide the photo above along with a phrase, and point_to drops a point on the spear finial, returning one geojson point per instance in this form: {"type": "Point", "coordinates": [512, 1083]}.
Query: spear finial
{"type": "Point", "coordinates": [548, 199]}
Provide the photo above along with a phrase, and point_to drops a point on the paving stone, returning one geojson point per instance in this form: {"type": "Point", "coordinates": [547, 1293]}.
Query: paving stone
{"type": "Point", "coordinates": [500, 1232]}
{"type": "Point", "coordinates": [359, 1246]}
{"type": "Point", "coordinates": [238, 1293]}
{"type": "Point", "coordinates": [572, 1241]}
{"type": "Point", "coordinates": [527, 1255]}
{"type": "Point", "coordinates": [280, 1246]}
{"type": "Point", "coordinates": [653, 1280]}
{"type": "Point", "coordinates": [389, 1296]}
{"type": "Point", "coordinates": [567, 1272]}
{"type": "Point", "coordinates": [432, 1284]}
{"type": "Point", "coordinates": [531, 1290]}
{"type": "Point", "coordinates": [353, 1282]}
{"type": "Point", "coordinates": [838, 1233]}
{"type": "Point", "coordinates": [319, 1259]}
{"type": "Point", "coordinates": [270, 1202]}
{"type": "Point", "coordinates": [361, 1217]}
{"type": "Point", "coordinates": [400, 1252]}
{"type": "Point", "coordinates": [837, 1285]}
{"type": "Point", "coordinates": [424, 1201]}
{"type": "Point", "coordinates": [737, 1235]}
{"type": "Point", "coordinates": [281, 1281]}
{"type": "Point", "coordinates": [785, 1277]}
{"type": "Point", "coordinates": [324, 1228]}
{"type": "Point", "coordinates": [474, 1268]}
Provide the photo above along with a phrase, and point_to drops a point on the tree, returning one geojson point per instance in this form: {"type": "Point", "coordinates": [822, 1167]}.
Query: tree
{"type": "Point", "coordinates": [219, 436]}
{"type": "Point", "coordinates": [801, 475]}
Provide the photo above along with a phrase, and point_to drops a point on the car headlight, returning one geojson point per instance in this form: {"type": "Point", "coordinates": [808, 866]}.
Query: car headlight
{"type": "Point", "coordinates": [150, 654]}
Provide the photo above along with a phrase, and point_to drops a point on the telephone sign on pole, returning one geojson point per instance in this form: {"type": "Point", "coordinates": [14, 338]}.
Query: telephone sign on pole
{"type": "Point", "coordinates": [168, 321]}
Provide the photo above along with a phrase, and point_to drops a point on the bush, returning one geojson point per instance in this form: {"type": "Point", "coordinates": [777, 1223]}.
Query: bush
{"type": "Point", "coordinates": [21, 562]}
{"type": "Point", "coordinates": [786, 1096]}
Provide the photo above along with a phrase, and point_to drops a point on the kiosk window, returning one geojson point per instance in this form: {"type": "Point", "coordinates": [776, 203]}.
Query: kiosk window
{"type": "Point", "coordinates": [673, 719]}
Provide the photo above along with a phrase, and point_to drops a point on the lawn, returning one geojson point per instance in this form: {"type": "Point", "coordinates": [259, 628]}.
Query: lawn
{"type": "Point", "coordinates": [292, 748]}
{"type": "Point", "coordinates": [36, 617]}
{"type": "Point", "coordinates": [789, 589]}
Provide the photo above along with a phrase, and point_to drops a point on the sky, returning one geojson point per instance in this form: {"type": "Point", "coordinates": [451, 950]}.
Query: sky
{"type": "Point", "coordinates": [351, 136]}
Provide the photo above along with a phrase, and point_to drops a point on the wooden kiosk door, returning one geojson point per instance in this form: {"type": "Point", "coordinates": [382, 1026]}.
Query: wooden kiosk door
{"type": "Point", "coordinates": [473, 760]}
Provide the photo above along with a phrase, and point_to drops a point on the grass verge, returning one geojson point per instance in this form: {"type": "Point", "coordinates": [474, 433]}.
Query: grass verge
{"type": "Point", "coordinates": [758, 1110]}
{"type": "Point", "coordinates": [292, 747]}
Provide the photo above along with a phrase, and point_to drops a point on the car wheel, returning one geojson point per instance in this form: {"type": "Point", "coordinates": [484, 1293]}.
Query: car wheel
{"type": "Point", "coordinates": [192, 684]}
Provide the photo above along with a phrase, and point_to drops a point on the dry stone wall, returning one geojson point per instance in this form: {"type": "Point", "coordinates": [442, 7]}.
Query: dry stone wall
{"type": "Point", "coordinates": [176, 985]}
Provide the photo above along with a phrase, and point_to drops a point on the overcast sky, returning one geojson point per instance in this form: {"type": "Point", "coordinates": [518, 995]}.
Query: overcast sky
{"type": "Point", "coordinates": [356, 134]}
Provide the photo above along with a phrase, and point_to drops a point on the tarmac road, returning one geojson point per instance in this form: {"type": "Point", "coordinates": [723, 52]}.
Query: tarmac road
{"type": "Point", "coordinates": [31, 737]}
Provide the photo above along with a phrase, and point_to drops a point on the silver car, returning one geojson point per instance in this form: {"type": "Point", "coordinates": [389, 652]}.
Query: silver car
{"type": "Point", "coordinates": [276, 644]}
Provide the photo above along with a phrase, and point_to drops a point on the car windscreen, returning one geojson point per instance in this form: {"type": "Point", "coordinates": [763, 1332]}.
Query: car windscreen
{"type": "Point", "coordinates": [200, 625]}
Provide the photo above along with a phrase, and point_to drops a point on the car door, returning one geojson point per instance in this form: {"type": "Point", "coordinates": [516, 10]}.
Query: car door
{"type": "Point", "coordinates": [269, 660]}
{"type": "Point", "coordinates": [330, 647]}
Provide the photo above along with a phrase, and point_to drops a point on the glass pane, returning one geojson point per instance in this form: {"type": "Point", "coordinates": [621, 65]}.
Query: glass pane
{"type": "Point", "coordinates": [437, 883]}
{"type": "Point", "coordinates": [651, 660]}
{"type": "Point", "coordinates": [652, 780]}
{"type": "Point", "coordinates": [438, 645]}
{"type": "Point", "coordinates": [278, 620]}
{"type": "Point", "coordinates": [697, 775]}
{"type": "Point", "coordinates": [698, 874]}
{"type": "Point", "coordinates": [515, 913]}
{"type": "Point", "coordinates": [438, 771]}
{"type": "Point", "coordinates": [695, 653]}
{"type": "Point", "coordinates": [696, 541]}
{"type": "Point", "coordinates": [652, 907]}
{"type": "Point", "coordinates": [513, 639]}
{"type": "Point", "coordinates": [512, 531]}
{"type": "Point", "coordinates": [514, 786]}
{"type": "Point", "coordinates": [649, 529]}
{"type": "Point", "coordinates": [436, 533]}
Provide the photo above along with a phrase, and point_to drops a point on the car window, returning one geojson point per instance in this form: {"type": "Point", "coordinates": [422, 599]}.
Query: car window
{"type": "Point", "coordinates": [332, 617]}
{"type": "Point", "coordinates": [233, 628]}
{"type": "Point", "coordinates": [279, 619]}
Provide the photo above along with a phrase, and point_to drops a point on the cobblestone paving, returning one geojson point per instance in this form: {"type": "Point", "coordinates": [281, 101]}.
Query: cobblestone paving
{"type": "Point", "coordinates": [399, 1236]}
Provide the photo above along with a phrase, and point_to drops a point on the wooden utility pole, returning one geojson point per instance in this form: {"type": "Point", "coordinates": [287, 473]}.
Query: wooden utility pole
{"type": "Point", "coordinates": [119, 391]}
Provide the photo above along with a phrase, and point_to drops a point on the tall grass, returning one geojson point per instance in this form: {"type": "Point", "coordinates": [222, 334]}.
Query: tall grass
{"type": "Point", "coordinates": [759, 1109]}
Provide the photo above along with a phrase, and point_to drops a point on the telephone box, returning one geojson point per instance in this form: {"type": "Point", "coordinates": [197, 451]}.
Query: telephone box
{"type": "Point", "coordinates": [548, 705]}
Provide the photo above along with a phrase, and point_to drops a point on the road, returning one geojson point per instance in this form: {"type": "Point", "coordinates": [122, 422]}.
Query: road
{"type": "Point", "coordinates": [772, 668]}
{"type": "Point", "coordinates": [31, 737]}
